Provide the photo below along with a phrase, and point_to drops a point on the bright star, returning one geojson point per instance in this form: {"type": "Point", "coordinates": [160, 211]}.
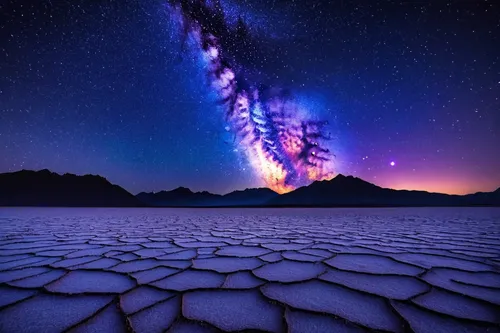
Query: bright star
{"type": "Point", "coordinates": [393, 163]}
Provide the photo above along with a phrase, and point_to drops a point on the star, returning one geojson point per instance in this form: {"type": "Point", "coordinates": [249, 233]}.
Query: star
{"type": "Point", "coordinates": [120, 98]}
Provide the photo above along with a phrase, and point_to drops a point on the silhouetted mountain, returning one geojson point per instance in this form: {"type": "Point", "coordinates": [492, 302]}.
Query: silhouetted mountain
{"type": "Point", "coordinates": [184, 197]}
{"type": "Point", "coordinates": [180, 196]}
{"type": "Point", "coordinates": [45, 188]}
{"type": "Point", "coordinates": [483, 198]}
{"type": "Point", "coordinates": [249, 197]}
{"type": "Point", "coordinates": [351, 191]}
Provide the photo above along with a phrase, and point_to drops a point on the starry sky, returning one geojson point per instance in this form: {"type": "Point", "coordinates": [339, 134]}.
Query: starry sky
{"type": "Point", "coordinates": [410, 90]}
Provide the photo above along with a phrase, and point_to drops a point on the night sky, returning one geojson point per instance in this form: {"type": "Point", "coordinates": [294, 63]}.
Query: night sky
{"type": "Point", "coordinates": [410, 91]}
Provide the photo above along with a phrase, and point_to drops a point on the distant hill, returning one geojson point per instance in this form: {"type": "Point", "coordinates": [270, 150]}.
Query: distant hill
{"type": "Point", "coordinates": [184, 197]}
{"type": "Point", "coordinates": [249, 197]}
{"type": "Point", "coordinates": [483, 198]}
{"type": "Point", "coordinates": [180, 196]}
{"type": "Point", "coordinates": [349, 191]}
{"type": "Point", "coordinates": [45, 188]}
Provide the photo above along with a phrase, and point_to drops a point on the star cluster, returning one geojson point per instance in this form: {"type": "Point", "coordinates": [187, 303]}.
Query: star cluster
{"type": "Point", "coordinates": [410, 90]}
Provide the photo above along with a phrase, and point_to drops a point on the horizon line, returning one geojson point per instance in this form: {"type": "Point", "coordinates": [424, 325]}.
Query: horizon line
{"type": "Point", "coordinates": [248, 188]}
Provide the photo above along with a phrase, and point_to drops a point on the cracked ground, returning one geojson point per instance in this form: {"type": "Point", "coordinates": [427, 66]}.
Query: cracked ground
{"type": "Point", "coordinates": [255, 270]}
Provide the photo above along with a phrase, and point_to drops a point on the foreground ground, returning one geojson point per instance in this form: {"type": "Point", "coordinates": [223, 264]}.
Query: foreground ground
{"type": "Point", "coordinates": [323, 270]}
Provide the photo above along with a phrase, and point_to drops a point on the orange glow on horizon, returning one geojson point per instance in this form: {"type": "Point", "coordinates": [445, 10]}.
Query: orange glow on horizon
{"type": "Point", "coordinates": [449, 184]}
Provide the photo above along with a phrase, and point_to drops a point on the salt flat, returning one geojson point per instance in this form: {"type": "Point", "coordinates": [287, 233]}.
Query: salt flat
{"type": "Point", "coordinates": [270, 270]}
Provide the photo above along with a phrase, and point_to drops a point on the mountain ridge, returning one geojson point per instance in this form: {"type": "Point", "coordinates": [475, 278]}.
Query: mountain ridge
{"type": "Point", "coordinates": [46, 188]}
{"type": "Point", "coordinates": [249, 196]}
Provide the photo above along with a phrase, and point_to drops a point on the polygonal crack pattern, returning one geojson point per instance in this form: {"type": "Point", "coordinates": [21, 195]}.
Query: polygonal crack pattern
{"type": "Point", "coordinates": [225, 270]}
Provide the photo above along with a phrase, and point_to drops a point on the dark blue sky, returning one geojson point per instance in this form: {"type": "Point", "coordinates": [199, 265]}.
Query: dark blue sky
{"type": "Point", "coordinates": [106, 87]}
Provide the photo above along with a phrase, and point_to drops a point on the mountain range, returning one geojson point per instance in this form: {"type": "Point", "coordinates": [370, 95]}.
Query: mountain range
{"type": "Point", "coordinates": [45, 188]}
{"type": "Point", "coordinates": [182, 196]}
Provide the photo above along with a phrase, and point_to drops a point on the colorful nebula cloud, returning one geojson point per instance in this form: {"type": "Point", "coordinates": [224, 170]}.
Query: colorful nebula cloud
{"type": "Point", "coordinates": [281, 141]}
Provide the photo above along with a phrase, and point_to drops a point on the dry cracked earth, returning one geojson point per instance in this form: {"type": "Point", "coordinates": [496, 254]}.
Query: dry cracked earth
{"type": "Point", "coordinates": [139, 270]}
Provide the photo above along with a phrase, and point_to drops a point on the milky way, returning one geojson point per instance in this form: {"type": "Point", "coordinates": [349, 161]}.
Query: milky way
{"type": "Point", "coordinates": [120, 89]}
{"type": "Point", "coordinates": [282, 143]}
